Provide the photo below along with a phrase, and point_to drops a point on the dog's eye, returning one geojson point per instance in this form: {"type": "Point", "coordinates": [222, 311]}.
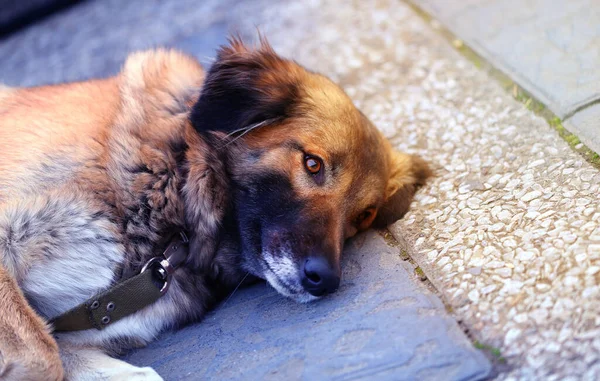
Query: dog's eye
{"type": "Point", "coordinates": [364, 219]}
{"type": "Point", "coordinates": [363, 216]}
{"type": "Point", "coordinates": [313, 164]}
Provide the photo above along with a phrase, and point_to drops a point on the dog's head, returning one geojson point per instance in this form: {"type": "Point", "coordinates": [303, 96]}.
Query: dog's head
{"type": "Point", "coordinates": [308, 169]}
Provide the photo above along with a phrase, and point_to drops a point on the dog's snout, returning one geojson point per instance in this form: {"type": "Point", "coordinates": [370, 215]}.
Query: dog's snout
{"type": "Point", "coordinates": [319, 277]}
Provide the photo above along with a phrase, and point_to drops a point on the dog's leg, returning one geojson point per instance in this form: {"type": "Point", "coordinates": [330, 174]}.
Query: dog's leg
{"type": "Point", "coordinates": [27, 351]}
{"type": "Point", "coordinates": [91, 364]}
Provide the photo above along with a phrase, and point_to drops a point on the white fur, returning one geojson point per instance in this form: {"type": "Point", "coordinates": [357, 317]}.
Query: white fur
{"type": "Point", "coordinates": [58, 252]}
{"type": "Point", "coordinates": [63, 256]}
{"type": "Point", "coordinates": [283, 274]}
{"type": "Point", "coordinates": [85, 364]}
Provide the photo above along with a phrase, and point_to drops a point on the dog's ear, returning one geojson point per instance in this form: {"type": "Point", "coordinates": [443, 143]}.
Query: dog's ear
{"type": "Point", "coordinates": [245, 87]}
{"type": "Point", "coordinates": [407, 174]}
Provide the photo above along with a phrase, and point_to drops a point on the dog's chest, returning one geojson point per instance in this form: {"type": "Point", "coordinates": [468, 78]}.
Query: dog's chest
{"type": "Point", "coordinates": [63, 251]}
{"type": "Point", "coordinates": [72, 277]}
{"type": "Point", "coordinates": [60, 248]}
{"type": "Point", "coordinates": [63, 247]}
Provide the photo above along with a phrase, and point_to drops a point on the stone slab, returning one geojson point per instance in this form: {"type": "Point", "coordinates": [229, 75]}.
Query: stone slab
{"type": "Point", "coordinates": [381, 324]}
{"type": "Point", "coordinates": [550, 47]}
{"type": "Point", "coordinates": [586, 125]}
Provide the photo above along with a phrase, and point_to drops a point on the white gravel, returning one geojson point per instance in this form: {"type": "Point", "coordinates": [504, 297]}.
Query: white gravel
{"type": "Point", "coordinates": [509, 230]}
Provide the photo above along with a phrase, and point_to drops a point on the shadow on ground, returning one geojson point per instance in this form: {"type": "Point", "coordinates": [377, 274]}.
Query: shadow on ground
{"type": "Point", "coordinates": [379, 324]}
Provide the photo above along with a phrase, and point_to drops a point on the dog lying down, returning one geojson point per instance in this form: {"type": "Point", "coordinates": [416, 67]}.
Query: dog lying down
{"type": "Point", "coordinates": [257, 166]}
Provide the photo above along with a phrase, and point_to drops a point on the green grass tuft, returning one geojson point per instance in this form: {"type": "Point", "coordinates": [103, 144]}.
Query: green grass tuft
{"type": "Point", "coordinates": [495, 352]}
{"type": "Point", "coordinates": [420, 273]}
{"type": "Point", "coordinates": [404, 255]}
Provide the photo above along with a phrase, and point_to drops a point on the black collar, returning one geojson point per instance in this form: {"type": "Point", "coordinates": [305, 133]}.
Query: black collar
{"type": "Point", "coordinates": [127, 296]}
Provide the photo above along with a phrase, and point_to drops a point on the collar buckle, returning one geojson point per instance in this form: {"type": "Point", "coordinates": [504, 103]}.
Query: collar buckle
{"type": "Point", "coordinates": [163, 269]}
{"type": "Point", "coordinates": [165, 264]}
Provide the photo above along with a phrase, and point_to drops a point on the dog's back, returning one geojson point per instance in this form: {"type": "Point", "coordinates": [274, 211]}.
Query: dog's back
{"type": "Point", "coordinates": [49, 133]}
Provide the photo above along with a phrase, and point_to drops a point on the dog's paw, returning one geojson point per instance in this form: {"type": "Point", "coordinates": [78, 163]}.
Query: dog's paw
{"type": "Point", "coordinates": [136, 374]}
{"type": "Point", "coordinates": [119, 371]}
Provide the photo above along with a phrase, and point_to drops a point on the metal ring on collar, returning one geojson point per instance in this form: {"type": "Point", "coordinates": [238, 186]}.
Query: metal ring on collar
{"type": "Point", "coordinates": [164, 270]}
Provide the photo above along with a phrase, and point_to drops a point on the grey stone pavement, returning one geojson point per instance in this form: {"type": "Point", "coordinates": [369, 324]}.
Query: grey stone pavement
{"type": "Point", "coordinates": [550, 47]}
{"type": "Point", "coordinates": [382, 324]}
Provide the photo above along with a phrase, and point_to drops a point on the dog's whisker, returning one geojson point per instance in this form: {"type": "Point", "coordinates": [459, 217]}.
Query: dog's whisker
{"type": "Point", "coordinates": [247, 130]}
{"type": "Point", "coordinates": [235, 289]}
{"type": "Point", "coordinates": [243, 129]}
{"type": "Point", "coordinates": [256, 125]}
{"type": "Point", "coordinates": [207, 59]}
{"type": "Point", "coordinates": [253, 126]}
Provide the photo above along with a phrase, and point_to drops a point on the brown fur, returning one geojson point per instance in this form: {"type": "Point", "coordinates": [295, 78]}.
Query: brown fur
{"type": "Point", "coordinates": [28, 352]}
{"type": "Point", "coordinates": [128, 159]}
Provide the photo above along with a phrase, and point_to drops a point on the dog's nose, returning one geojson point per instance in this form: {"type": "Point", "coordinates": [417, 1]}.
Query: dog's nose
{"type": "Point", "coordinates": [319, 277]}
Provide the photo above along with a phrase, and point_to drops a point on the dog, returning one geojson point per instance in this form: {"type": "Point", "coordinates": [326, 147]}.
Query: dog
{"type": "Point", "coordinates": [265, 167]}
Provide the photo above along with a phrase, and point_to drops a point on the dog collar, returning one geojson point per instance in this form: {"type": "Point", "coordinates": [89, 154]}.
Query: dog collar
{"type": "Point", "coordinates": [128, 296]}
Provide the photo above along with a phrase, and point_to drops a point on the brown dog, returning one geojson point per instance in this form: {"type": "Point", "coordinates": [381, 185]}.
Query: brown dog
{"type": "Point", "coordinates": [268, 167]}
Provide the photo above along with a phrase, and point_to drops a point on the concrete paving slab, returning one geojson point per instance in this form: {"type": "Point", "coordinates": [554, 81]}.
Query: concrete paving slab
{"type": "Point", "coordinates": [586, 125]}
{"type": "Point", "coordinates": [551, 47]}
{"type": "Point", "coordinates": [380, 325]}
